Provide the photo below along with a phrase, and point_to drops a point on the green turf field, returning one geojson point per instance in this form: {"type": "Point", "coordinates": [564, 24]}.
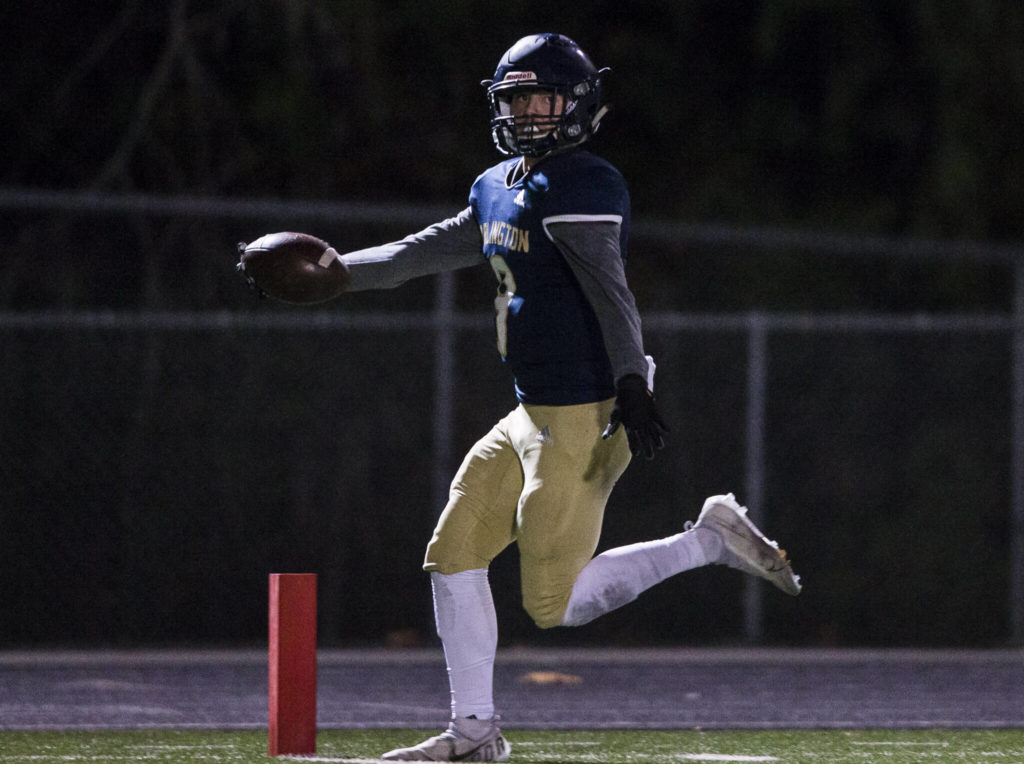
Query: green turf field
{"type": "Point", "coordinates": [550, 747]}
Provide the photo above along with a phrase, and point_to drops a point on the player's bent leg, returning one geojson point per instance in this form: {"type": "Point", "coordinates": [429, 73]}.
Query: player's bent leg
{"type": "Point", "coordinates": [464, 740]}
{"type": "Point", "coordinates": [742, 544]}
{"type": "Point", "coordinates": [569, 472]}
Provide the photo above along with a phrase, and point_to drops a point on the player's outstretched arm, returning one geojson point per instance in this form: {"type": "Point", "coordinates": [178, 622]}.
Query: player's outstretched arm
{"type": "Point", "coordinates": [301, 269]}
{"type": "Point", "coordinates": [446, 246]}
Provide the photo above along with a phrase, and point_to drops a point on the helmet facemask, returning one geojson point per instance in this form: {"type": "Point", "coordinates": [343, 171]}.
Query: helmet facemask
{"type": "Point", "coordinates": [574, 116]}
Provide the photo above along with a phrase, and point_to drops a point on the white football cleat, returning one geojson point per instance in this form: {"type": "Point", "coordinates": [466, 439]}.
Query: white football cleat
{"type": "Point", "coordinates": [744, 547]}
{"type": "Point", "coordinates": [466, 739]}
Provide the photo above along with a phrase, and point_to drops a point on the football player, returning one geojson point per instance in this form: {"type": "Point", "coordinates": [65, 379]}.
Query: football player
{"type": "Point", "coordinates": [552, 222]}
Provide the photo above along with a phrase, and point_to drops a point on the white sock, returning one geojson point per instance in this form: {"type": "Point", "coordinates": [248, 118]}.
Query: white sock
{"type": "Point", "coordinates": [619, 575]}
{"type": "Point", "coordinates": [468, 628]}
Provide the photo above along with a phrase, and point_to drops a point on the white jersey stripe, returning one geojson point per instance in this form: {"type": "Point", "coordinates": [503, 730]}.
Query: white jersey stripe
{"type": "Point", "coordinates": [579, 219]}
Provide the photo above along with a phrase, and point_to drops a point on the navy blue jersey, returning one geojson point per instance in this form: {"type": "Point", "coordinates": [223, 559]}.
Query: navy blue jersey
{"type": "Point", "coordinates": [547, 331]}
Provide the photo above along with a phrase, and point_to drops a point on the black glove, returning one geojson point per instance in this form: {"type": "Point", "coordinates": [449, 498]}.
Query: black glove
{"type": "Point", "coordinates": [634, 409]}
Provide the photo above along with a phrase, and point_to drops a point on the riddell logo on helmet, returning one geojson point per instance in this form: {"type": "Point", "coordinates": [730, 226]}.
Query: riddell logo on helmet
{"type": "Point", "coordinates": [519, 77]}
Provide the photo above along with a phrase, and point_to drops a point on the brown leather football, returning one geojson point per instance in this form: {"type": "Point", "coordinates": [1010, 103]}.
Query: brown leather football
{"type": "Point", "coordinates": [293, 267]}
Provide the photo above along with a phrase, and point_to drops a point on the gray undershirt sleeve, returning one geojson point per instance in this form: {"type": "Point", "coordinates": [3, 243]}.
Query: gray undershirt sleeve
{"type": "Point", "coordinates": [592, 251]}
{"type": "Point", "coordinates": [451, 244]}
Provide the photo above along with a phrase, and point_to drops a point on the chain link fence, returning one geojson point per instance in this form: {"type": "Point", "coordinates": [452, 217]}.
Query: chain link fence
{"type": "Point", "coordinates": [168, 439]}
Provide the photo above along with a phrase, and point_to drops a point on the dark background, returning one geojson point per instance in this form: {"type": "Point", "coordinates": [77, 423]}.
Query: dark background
{"type": "Point", "coordinates": [153, 476]}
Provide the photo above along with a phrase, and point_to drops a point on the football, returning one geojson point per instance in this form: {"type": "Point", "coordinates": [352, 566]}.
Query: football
{"type": "Point", "coordinates": [293, 267]}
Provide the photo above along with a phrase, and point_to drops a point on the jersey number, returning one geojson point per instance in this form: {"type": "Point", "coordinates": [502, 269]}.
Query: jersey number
{"type": "Point", "coordinates": [506, 291]}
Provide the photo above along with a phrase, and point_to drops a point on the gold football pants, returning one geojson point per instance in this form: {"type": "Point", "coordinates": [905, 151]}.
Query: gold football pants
{"type": "Point", "coordinates": [540, 477]}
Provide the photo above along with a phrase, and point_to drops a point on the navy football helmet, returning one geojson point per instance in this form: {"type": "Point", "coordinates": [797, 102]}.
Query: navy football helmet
{"type": "Point", "coordinates": [550, 63]}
